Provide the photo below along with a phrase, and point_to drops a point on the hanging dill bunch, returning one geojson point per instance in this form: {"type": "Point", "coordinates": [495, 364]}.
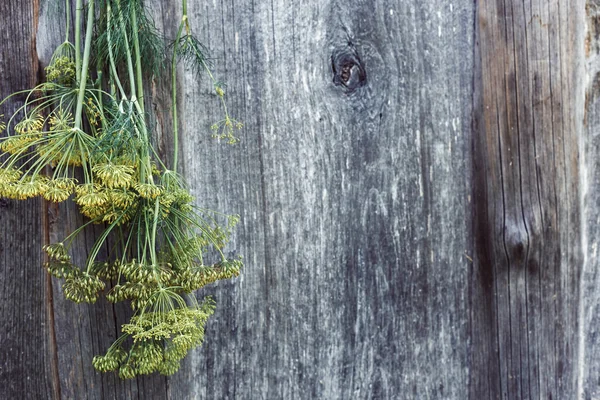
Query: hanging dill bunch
{"type": "Point", "coordinates": [84, 136]}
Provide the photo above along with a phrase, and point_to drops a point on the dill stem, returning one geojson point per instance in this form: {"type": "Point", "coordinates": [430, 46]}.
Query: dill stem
{"type": "Point", "coordinates": [145, 167]}
{"type": "Point", "coordinates": [68, 15]}
{"type": "Point", "coordinates": [174, 94]}
{"type": "Point", "coordinates": [138, 59]}
{"type": "Point", "coordinates": [78, 12]}
{"type": "Point", "coordinates": [132, 79]}
{"type": "Point", "coordinates": [154, 226]}
{"type": "Point", "coordinates": [85, 63]}
{"type": "Point", "coordinates": [111, 56]}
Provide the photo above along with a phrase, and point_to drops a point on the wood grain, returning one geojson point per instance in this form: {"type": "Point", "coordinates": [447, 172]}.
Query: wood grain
{"type": "Point", "coordinates": [26, 363]}
{"type": "Point", "coordinates": [527, 203]}
{"type": "Point", "coordinates": [354, 203]}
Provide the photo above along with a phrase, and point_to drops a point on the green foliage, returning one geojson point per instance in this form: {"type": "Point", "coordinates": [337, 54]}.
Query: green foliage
{"type": "Point", "coordinates": [84, 137]}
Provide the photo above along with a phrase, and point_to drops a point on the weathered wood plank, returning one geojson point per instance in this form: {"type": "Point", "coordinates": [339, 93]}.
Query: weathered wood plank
{"type": "Point", "coordinates": [528, 256]}
{"type": "Point", "coordinates": [354, 200]}
{"type": "Point", "coordinates": [26, 343]}
{"type": "Point", "coordinates": [589, 366]}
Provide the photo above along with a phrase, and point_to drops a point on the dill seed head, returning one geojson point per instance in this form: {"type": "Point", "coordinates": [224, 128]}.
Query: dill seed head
{"type": "Point", "coordinates": [114, 175]}
{"type": "Point", "coordinates": [61, 70]}
{"type": "Point", "coordinates": [56, 194]}
{"type": "Point", "coordinates": [57, 251]}
{"type": "Point", "coordinates": [148, 190]}
{"type": "Point", "coordinates": [126, 372]}
{"type": "Point", "coordinates": [9, 175]}
{"type": "Point", "coordinates": [30, 188]}
{"type": "Point", "coordinates": [29, 125]}
{"type": "Point", "coordinates": [60, 120]}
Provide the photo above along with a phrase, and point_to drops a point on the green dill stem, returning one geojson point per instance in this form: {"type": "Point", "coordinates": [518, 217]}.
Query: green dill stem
{"type": "Point", "coordinates": [138, 59]}
{"type": "Point", "coordinates": [68, 15]}
{"type": "Point", "coordinates": [99, 243]}
{"type": "Point", "coordinates": [111, 56]}
{"type": "Point", "coordinates": [85, 64]}
{"type": "Point", "coordinates": [146, 168]}
{"type": "Point", "coordinates": [174, 93]}
{"type": "Point", "coordinates": [132, 78]}
{"type": "Point", "coordinates": [154, 226]}
{"type": "Point", "coordinates": [78, 12]}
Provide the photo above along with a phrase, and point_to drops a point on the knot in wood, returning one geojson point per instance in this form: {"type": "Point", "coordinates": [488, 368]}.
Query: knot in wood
{"type": "Point", "coordinates": [348, 69]}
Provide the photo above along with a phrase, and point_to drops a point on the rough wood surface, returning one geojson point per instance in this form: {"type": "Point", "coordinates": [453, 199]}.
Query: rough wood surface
{"type": "Point", "coordinates": [418, 198]}
{"type": "Point", "coordinates": [527, 201]}
{"type": "Point", "coordinates": [353, 198]}
{"type": "Point", "coordinates": [589, 385]}
{"type": "Point", "coordinates": [26, 349]}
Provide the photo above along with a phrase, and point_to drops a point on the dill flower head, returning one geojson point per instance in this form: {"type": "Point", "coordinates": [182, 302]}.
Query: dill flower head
{"type": "Point", "coordinates": [82, 287]}
{"type": "Point", "coordinates": [60, 120]}
{"type": "Point", "coordinates": [9, 175]}
{"type": "Point", "coordinates": [148, 190]}
{"type": "Point", "coordinates": [61, 70]}
{"type": "Point", "coordinates": [59, 190]}
{"type": "Point", "coordinates": [114, 175]}
{"type": "Point", "coordinates": [90, 195]}
{"type": "Point", "coordinates": [30, 188]}
{"type": "Point", "coordinates": [17, 144]}
{"type": "Point", "coordinates": [121, 198]}
{"type": "Point", "coordinates": [57, 251]}
{"type": "Point", "coordinates": [225, 129]}
{"type": "Point", "coordinates": [29, 125]}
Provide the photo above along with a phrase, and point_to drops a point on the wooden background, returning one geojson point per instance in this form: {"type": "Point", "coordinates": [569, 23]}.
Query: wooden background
{"type": "Point", "coordinates": [418, 185]}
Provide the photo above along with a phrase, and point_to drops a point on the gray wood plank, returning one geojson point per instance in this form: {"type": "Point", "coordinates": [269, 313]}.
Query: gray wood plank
{"type": "Point", "coordinates": [527, 201]}
{"type": "Point", "coordinates": [26, 343]}
{"type": "Point", "coordinates": [589, 340]}
{"type": "Point", "coordinates": [354, 200]}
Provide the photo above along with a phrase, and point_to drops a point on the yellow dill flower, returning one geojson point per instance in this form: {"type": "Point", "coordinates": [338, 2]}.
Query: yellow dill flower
{"type": "Point", "coordinates": [30, 188]}
{"type": "Point", "coordinates": [113, 215]}
{"type": "Point", "coordinates": [62, 70]}
{"type": "Point", "coordinates": [114, 175]}
{"type": "Point", "coordinates": [9, 175]}
{"type": "Point", "coordinates": [60, 120]}
{"type": "Point", "coordinates": [121, 198]}
{"type": "Point", "coordinates": [7, 189]}
{"type": "Point", "coordinates": [86, 188]}
{"type": "Point", "coordinates": [148, 190]}
{"type": "Point", "coordinates": [31, 124]}
{"type": "Point", "coordinates": [64, 183]}
{"type": "Point", "coordinates": [15, 144]}
{"type": "Point", "coordinates": [94, 199]}
{"type": "Point", "coordinates": [56, 194]}
{"type": "Point", "coordinates": [90, 195]}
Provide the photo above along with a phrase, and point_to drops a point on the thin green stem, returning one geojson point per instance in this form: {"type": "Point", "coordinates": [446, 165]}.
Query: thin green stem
{"type": "Point", "coordinates": [85, 63]}
{"type": "Point", "coordinates": [78, 13]}
{"type": "Point", "coordinates": [111, 57]}
{"type": "Point", "coordinates": [132, 79]}
{"type": "Point", "coordinates": [138, 58]}
{"type": "Point", "coordinates": [174, 96]}
{"type": "Point", "coordinates": [68, 15]}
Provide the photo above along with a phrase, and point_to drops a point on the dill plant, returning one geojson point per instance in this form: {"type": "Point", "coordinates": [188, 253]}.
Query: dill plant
{"type": "Point", "coordinates": [84, 135]}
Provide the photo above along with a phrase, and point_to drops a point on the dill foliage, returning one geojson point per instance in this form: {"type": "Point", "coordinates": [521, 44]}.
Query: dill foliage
{"type": "Point", "coordinates": [83, 135]}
